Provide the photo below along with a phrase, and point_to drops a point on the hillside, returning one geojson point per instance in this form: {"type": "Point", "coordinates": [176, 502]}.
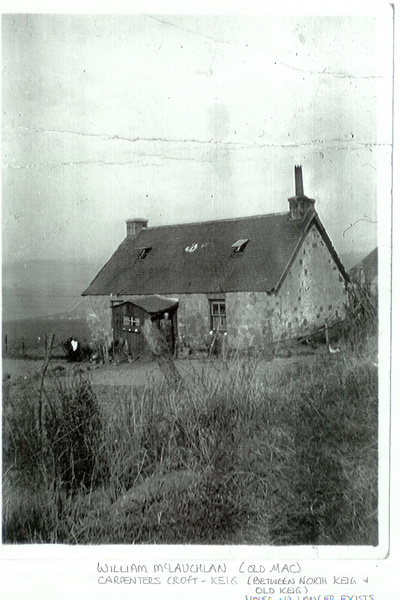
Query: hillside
{"type": "Point", "coordinates": [43, 288]}
{"type": "Point", "coordinates": [349, 259]}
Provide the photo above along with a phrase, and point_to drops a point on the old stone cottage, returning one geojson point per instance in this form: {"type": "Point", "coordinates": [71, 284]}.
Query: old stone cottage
{"type": "Point", "coordinates": [254, 279]}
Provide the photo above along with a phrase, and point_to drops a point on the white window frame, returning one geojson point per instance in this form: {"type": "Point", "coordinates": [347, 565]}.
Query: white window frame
{"type": "Point", "coordinates": [218, 315]}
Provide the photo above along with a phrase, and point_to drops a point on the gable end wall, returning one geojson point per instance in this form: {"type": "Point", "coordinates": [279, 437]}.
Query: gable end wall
{"type": "Point", "coordinates": [313, 291]}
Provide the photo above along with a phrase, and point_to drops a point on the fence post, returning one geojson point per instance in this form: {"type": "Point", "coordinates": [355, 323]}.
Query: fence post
{"type": "Point", "coordinates": [41, 407]}
{"type": "Point", "coordinates": [327, 336]}
{"type": "Point", "coordinates": [106, 354]}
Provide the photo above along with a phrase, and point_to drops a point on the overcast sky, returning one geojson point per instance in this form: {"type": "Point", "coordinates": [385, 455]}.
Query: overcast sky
{"type": "Point", "coordinates": [183, 118]}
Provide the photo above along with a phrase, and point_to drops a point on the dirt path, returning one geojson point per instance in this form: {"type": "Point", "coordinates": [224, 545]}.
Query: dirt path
{"type": "Point", "coordinates": [14, 368]}
{"type": "Point", "coordinates": [128, 374]}
{"type": "Point", "coordinates": [136, 374]}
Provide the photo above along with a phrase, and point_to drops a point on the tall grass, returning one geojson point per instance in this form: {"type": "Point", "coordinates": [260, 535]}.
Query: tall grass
{"type": "Point", "coordinates": [239, 452]}
{"type": "Point", "coordinates": [361, 319]}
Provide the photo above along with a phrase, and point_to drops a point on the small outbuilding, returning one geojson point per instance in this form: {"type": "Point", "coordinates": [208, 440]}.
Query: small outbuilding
{"type": "Point", "coordinates": [129, 316]}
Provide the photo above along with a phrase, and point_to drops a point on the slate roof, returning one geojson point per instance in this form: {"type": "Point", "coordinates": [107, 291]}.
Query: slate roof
{"type": "Point", "coordinates": [198, 257]}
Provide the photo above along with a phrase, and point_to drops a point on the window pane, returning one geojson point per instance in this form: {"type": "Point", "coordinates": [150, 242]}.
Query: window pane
{"type": "Point", "coordinates": [218, 315]}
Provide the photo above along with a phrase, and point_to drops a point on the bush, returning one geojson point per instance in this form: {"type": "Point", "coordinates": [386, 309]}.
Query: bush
{"type": "Point", "coordinates": [21, 442]}
{"type": "Point", "coordinates": [55, 462]}
{"type": "Point", "coordinates": [73, 432]}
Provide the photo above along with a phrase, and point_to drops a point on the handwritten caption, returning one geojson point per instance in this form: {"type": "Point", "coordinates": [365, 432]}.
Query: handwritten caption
{"type": "Point", "coordinates": [275, 581]}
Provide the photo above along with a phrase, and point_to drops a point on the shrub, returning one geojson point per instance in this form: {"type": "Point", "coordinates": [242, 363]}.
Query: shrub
{"type": "Point", "coordinates": [21, 442]}
{"type": "Point", "coordinates": [68, 448]}
{"type": "Point", "coordinates": [73, 432]}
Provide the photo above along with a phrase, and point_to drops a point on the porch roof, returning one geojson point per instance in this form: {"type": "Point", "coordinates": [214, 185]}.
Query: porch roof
{"type": "Point", "coordinates": [151, 304]}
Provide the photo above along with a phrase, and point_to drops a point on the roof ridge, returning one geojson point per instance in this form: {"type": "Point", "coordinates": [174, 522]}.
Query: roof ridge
{"type": "Point", "coordinates": [216, 221]}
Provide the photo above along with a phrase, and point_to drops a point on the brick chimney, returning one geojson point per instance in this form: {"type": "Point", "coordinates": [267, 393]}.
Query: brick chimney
{"type": "Point", "coordinates": [299, 205]}
{"type": "Point", "coordinates": [135, 226]}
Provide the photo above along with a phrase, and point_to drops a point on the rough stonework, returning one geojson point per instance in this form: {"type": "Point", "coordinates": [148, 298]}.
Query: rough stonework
{"type": "Point", "coordinates": [98, 315]}
{"type": "Point", "coordinates": [247, 318]}
{"type": "Point", "coordinates": [193, 320]}
{"type": "Point", "coordinates": [314, 291]}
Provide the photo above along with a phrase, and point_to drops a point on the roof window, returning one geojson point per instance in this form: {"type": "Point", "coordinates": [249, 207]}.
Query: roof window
{"type": "Point", "coordinates": [143, 252]}
{"type": "Point", "coordinates": [239, 246]}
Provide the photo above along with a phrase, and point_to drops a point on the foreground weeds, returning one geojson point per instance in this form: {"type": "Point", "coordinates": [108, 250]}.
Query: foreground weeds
{"type": "Point", "coordinates": [240, 453]}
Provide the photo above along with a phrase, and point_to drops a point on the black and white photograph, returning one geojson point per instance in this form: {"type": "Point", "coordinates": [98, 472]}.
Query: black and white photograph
{"type": "Point", "coordinates": [196, 284]}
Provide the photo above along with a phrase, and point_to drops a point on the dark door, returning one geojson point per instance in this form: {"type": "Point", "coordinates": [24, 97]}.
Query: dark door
{"type": "Point", "coordinates": [131, 332]}
{"type": "Point", "coordinates": [128, 320]}
{"type": "Point", "coordinates": [167, 323]}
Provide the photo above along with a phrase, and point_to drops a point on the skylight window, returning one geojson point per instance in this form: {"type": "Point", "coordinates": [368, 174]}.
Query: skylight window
{"type": "Point", "coordinates": [240, 245]}
{"type": "Point", "coordinates": [143, 252]}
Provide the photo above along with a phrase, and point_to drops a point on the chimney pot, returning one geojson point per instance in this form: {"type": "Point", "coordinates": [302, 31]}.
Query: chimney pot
{"type": "Point", "coordinates": [298, 175]}
{"type": "Point", "coordinates": [135, 226]}
{"type": "Point", "coordinates": [299, 205]}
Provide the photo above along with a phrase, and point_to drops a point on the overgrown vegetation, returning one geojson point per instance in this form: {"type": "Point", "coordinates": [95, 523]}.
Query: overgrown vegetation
{"type": "Point", "coordinates": [361, 321]}
{"type": "Point", "coordinates": [241, 453]}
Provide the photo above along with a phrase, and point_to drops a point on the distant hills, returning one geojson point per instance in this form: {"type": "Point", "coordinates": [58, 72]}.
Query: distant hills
{"type": "Point", "coordinates": [49, 274]}
{"type": "Point", "coordinates": [40, 288]}
{"type": "Point", "coordinates": [350, 259]}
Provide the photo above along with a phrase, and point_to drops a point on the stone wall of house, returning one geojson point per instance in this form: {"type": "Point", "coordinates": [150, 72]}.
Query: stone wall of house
{"type": "Point", "coordinates": [313, 292]}
{"type": "Point", "coordinates": [248, 317]}
{"type": "Point", "coordinates": [193, 320]}
{"type": "Point", "coordinates": [98, 316]}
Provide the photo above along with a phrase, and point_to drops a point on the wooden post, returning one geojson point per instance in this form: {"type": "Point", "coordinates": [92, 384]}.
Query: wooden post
{"type": "Point", "coordinates": [6, 343]}
{"type": "Point", "coordinates": [327, 336]}
{"type": "Point", "coordinates": [41, 408]}
{"type": "Point", "coordinates": [106, 355]}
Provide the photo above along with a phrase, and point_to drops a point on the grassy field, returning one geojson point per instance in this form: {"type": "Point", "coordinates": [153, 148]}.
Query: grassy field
{"type": "Point", "coordinates": [234, 452]}
{"type": "Point", "coordinates": [27, 337]}
{"type": "Point", "coordinates": [227, 456]}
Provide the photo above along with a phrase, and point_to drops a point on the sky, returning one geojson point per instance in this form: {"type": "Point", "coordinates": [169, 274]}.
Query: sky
{"type": "Point", "coordinates": [184, 118]}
